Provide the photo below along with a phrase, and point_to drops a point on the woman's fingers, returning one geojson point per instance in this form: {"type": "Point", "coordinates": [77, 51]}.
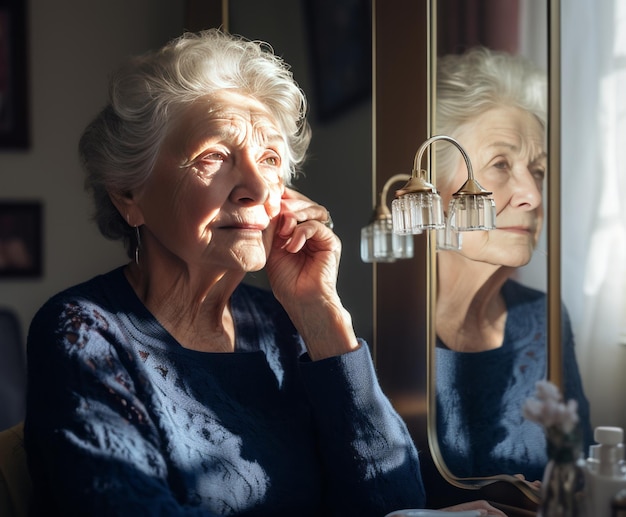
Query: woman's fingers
{"type": "Point", "coordinates": [312, 233]}
{"type": "Point", "coordinates": [303, 208]}
{"type": "Point", "coordinates": [302, 221]}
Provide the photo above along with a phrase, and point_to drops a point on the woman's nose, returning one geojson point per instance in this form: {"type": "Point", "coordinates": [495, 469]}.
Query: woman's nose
{"type": "Point", "coordinates": [251, 186]}
{"type": "Point", "coordinates": [527, 191]}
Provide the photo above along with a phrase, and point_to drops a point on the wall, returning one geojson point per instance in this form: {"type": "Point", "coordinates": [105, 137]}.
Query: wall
{"type": "Point", "coordinates": [73, 47]}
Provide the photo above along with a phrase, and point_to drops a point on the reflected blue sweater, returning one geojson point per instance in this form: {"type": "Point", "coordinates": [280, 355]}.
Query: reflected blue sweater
{"type": "Point", "coordinates": [480, 395]}
{"type": "Point", "coordinates": [122, 420]}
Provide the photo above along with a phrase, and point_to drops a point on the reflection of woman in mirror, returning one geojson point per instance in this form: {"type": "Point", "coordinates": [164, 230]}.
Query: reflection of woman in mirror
{"type": "Point", "coordinates": [492, 330]}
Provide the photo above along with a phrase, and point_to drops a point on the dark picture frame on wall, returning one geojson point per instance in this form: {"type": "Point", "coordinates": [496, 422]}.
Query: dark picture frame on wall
{"type": "Point", "coordinates": [21, 239]}
{"type": "Point", "coordinates": [14, 123]}
{"type": "Point", "coordinates": [340, 36]}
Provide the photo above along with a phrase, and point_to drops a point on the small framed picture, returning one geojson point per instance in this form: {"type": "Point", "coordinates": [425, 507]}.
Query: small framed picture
{"type": "Point", "coordinates": [21, 239]}
{"type": "Point", "coordinates": [14, 116]}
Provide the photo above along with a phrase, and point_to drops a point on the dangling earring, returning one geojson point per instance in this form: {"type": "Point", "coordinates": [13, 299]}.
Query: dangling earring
{"type": "Point", "coordinates": [138, 246]}
{"type": "Point", "coordinates": [137, 239]}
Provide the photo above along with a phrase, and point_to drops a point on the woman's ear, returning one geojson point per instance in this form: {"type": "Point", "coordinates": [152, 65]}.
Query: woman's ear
{"type": "Point", "coordinates": [127, 207]}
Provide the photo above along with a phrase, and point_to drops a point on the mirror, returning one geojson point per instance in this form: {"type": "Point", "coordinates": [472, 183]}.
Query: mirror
{"type": "Point", "coordinates": [490, 333]}
{"type": "Point", "coordinates": [400, 315]}
{"type": "Point", "coordinates": [482, 374]}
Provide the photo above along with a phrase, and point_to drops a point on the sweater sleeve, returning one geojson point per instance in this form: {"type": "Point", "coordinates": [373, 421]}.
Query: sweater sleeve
{"type": "Point", "coordinates": [84, 411]}
{"type": "Point", "coordinates": [371, 463]}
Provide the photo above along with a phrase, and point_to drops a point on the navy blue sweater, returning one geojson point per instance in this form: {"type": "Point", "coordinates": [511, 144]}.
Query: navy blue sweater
{"type": "Point", "coordinates": [480, 395]}
{"type": "Point", "coordinates": [122, 420]}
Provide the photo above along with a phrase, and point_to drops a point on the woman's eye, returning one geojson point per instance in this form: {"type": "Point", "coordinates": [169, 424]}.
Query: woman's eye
{"type": "Point", "coordinates": [273, 160]}
{"type": "Point", "coordinates": [501, 164]}
{"type": "Point", "coordinates": [208, 164]}
{"type": "Point", "coordinates": [214, 157]}
{"type": "Point", "coordinates": [539, 173]}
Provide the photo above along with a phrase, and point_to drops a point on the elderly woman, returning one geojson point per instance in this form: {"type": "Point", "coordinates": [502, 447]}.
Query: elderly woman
{"type": "Point", "coordinates": [492, 330]}
{"type": "Point", "coordinates": [169, 387]}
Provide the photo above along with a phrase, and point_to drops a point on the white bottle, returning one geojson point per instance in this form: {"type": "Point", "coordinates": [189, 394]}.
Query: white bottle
{"type": "Point", "coordinates": [605, 472]}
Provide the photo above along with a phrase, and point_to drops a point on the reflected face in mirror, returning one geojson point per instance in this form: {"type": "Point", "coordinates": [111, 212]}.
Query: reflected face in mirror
{"type": "Point", "coordinates": [506, 146]}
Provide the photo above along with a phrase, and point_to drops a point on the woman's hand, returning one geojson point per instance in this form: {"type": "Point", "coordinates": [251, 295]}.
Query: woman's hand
{"type": "Point", "coordinates": [302, 270]}
{"type": "Point", "coordinates": [304, 259]}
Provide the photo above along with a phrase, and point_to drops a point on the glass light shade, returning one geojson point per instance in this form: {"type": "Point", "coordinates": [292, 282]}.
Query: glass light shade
{"type": "Point", "coordinates": [380, 244]}
{"type": "Point", "coordinates": [415, 212]}
{"type": "Point", "coordinates": [472, 212]}
{"type": "Point", "coordinates": [449, 239]}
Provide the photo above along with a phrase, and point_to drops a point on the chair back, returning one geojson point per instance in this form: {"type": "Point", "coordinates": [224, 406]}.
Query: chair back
{"type": "Point", "coordinates": [15, 486]}
{"type": "Point", "coordinates": [12, 370]}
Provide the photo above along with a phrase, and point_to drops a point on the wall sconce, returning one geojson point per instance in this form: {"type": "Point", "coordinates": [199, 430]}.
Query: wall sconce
{"type": "Point", "coordinates": [379, 243]}
{"type": "Point", "coordinates": [417, 206]}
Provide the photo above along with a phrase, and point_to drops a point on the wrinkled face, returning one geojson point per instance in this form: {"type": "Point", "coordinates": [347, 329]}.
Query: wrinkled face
{"type": "Point", "coordinates": [507, 151]}
{"type": "Point", "coordinates": [216, 186]}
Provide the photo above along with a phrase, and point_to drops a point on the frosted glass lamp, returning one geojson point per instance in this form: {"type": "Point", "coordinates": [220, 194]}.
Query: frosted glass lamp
{"type": "Point", "coordinates": [471, 208]}
{"type": "Point", "coordinates": [417, 206]}
{"type": "Point", "coordinates": [379, 243]}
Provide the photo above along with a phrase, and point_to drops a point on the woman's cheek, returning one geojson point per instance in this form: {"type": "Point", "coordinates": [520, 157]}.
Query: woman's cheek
{"type": "Point", "coordinates": [273, 203]}
{"type": "Point", "coordinates": [268, 235]}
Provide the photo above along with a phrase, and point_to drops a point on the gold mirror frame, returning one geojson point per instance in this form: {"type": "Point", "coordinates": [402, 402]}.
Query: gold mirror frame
{"type": "Point", "coordinates": [554, 369]}
{"type": "Point", "coordinates": [555, 373]}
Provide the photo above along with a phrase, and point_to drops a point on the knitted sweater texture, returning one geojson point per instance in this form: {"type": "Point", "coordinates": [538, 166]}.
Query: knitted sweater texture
{"type": "Point", "coordinates": [122, 420]}
{"type": "Point", "coordinates": [481, 429]}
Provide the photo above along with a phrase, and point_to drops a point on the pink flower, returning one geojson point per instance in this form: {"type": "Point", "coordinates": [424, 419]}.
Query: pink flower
{"type": "Point", "coordinates": [549, 410]}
